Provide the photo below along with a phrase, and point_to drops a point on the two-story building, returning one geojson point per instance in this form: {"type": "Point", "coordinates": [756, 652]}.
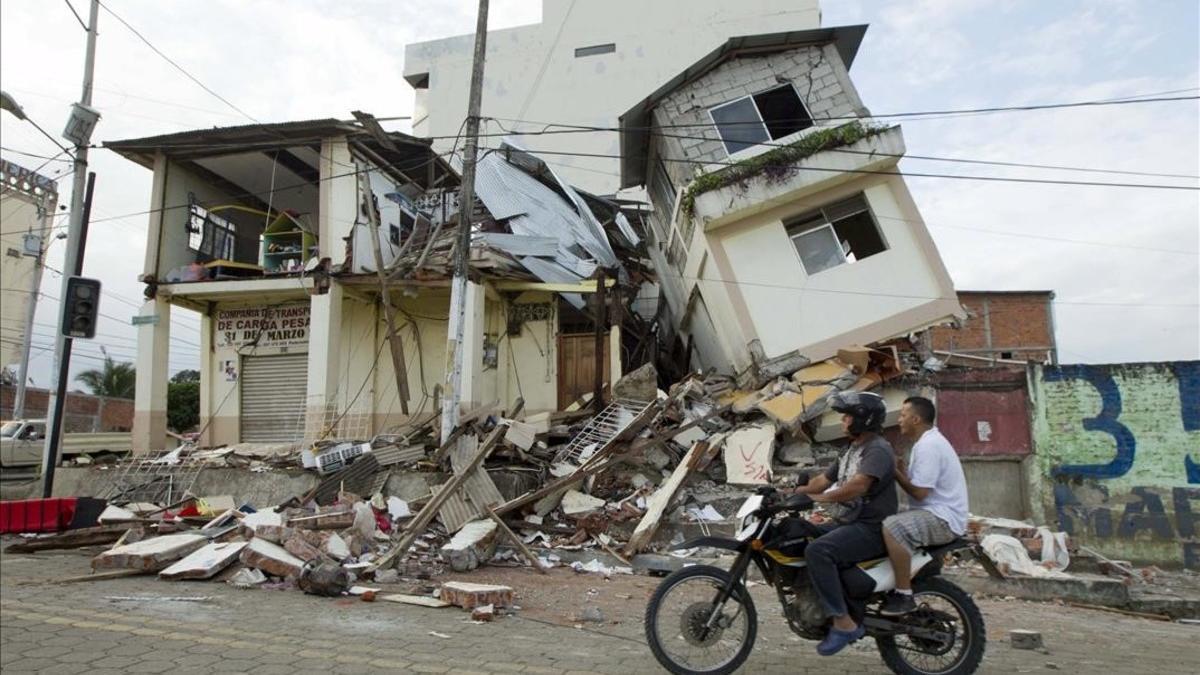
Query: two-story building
{"type": "Point", "coordinates": [781, 221]}
{"type": "Point", "coordinates": [271, 233]}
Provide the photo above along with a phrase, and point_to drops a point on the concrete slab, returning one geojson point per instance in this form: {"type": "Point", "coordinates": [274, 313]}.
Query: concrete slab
{"type": "Point", "coordinates": [206, 562]}
{"type": "Point", "coordinates": [149, 555]}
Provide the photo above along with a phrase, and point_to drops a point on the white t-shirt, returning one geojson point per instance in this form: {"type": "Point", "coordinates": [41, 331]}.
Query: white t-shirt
{"type": "Point", "coordinates": [934, 465]}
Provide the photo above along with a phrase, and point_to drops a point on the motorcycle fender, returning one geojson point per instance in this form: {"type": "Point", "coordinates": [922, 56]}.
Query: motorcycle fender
{"type": "Point", "coordinates": [711, 542]}
{"type": "Point", "coordinates": [885, 576]}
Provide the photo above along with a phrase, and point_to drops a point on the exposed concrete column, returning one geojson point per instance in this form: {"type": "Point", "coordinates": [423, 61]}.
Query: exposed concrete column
{"type": "Point", "coordinates": [153, 373]}
{"type": "Point", "coordinates": [474, 328]}
{"type": "Point", "coordinates": [338, 198]}
{"type": "Point", "coordinates": [324, 359]}
{"type": "Point", "coordinates": [207, 374]}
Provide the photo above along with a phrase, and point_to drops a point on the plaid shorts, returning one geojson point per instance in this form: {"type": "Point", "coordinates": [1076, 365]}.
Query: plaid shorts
{"type": "Point", "coordinates": [917, 528]}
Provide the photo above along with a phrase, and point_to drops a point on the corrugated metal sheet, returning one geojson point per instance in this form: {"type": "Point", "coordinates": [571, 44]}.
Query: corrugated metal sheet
{"type": "Point", "coordinates": [476, 493]}
{"type": "Point", "coordinates": [984, 422]}
{"type": "Point", "coordinates": [273, 392]}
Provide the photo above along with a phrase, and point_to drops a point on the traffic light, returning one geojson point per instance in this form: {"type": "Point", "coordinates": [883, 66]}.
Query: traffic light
{"type": "Point", "coordinates": [82, 307]}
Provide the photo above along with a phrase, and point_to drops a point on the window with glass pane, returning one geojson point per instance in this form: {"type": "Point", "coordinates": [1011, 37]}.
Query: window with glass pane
{"type": "Point", "coordinates": [843, 232]}
{"type": "Point", "coordinates": [819, 249]}
{"type": "Point", "coordinates": [739, 125]}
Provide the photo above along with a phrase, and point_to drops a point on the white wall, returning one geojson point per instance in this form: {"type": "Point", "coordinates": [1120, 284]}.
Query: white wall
{"type": "Point", "coordinates": [19, 214]}
{"type": "Point", "coordinates": [654, 42]}
{"type": "Point", "coordinates": [786, 307]}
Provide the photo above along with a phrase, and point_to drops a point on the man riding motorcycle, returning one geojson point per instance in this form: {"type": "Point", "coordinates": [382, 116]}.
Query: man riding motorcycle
{"type": "Point", "coordinates": [861, 488]}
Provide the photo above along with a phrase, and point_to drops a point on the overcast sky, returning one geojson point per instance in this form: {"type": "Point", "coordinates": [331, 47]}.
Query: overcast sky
{"type": "Point", "coordinates": [1130, 293]}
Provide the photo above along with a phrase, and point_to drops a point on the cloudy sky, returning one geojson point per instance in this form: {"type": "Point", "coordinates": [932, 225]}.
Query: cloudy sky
{"type": "Point", "coordinates": [1124, 262]}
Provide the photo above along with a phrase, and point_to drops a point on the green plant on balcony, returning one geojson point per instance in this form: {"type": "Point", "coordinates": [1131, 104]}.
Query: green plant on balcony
{"type": "Point", "coordinates": [777, 164]}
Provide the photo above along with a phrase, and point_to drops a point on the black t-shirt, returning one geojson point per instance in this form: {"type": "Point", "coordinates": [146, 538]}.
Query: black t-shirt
{"type": "Point", "coordinates": [876, 459]}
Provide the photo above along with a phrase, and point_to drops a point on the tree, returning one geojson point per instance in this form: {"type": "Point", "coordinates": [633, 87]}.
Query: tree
{"type": "Point", "coordinates": [116, 380]}
{"type": "Point", "coordinates": [183, 406]}
{"type": "Point", "coordinates": [186, 376]}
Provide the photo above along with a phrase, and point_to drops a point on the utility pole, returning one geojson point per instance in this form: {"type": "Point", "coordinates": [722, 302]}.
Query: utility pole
{"type": "Point", "coordinates": [452, 398]}
{"type": "Point", "coordinates": [72, 265]}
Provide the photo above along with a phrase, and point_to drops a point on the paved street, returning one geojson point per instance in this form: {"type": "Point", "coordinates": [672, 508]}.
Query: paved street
{"type": "Point", "coordinates": [127, 626]}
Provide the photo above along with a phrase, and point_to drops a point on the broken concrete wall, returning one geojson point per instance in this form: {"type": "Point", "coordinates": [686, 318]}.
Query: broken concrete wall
{"type": "Point", "coordinates": [1118, 465]}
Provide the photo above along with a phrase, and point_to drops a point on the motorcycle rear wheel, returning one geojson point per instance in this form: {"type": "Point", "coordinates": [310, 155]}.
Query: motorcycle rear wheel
{"type": "Point", "coordinates": [905, 655]}
{"type": "Point", "coordinates": [679, 608]}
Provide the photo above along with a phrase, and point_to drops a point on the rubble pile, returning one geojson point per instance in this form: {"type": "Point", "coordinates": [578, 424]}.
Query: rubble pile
{"type": "Point", "coordinates": [591, 487]}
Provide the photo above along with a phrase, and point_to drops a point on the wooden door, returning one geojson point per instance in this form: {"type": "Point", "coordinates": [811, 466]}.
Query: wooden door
{"type": "Point", "coordinates": [577, 366]}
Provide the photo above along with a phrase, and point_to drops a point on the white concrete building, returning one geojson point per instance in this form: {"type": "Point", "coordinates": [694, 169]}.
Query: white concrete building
{"type": "Point", "coordinates": [266, 231]}
{"type": "Point", "coordinates": [27, 204]}
{"type": "Point", "coordinates": [584, 64]}
{"type": "Point", "coordinates": [781, 222]}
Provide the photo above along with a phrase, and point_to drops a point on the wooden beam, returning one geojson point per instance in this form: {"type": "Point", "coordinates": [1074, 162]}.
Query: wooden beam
{"type": "Point", "coordinates": [431, 508]}
{"type": "Point", "coordinates": [585, 286]}
{"type": "Point", "coordinates": [395, 343]}
{"type": "Point", "coordinates": [516, 540]}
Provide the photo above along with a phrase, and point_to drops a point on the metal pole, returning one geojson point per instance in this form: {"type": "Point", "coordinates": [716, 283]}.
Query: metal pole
{"type": "Point", "coordinates": [599, 319]}
{"type": "Point", "coordinates": [452, 399]}
{"type": "Point", "coordinates": [35, 288]}
{"type": "Point", "coordinates": [73, 264]}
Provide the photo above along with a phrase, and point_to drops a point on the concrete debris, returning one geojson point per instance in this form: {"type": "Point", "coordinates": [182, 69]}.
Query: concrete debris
{"type": "Point", "coordinates": [748, 453]}
{"type": "Point", "coordinates": [205, 562]}
{"type": "Point", "coordinates": [640, 384]}
{"type": "Point", "coordinates": [1025, 639]}
{"type": "Point", "coordinates": [469, 596]}
{"type": "Point", "coordinates": [150, 555]}
{"type": "Point", "coordinates": [483, 613]}
{"type": "Point", "coordinates": [471, 546]}
{"type": "Point", "coordinates": [576, 503]}
{"type": "Point", "coordinates": [247, 577]}
{"type": "Point", "coordinates": [272, 559]}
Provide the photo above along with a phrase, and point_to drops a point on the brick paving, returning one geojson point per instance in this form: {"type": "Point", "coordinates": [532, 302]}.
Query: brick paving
{"type": "Point", "coordinates": [79, 628]}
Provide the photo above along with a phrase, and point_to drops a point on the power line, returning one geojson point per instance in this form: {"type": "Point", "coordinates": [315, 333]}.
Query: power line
{"type": "Point", "coordinates": [907, 174]}
{"type": "Point", "coordinates": [178, 67]}
{"type": "Point", "coordinates": [1060, 239]}
{"type": "Point", "coordinates": [34, 155]}
{"type": "Point", "coordinates": [915, 115]}
{"type": "Point", "coordinates": [77, 17]}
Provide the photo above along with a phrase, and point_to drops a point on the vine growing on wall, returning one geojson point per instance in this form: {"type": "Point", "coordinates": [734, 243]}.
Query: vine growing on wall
{"type": "Point", "coordinates": [777, 164]}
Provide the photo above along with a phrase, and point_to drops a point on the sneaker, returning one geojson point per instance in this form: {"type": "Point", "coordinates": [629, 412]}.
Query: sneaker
{"type": "Point", "coordinates": [837, 640]}
{"type": "Point", "coordinates": [898, 604]}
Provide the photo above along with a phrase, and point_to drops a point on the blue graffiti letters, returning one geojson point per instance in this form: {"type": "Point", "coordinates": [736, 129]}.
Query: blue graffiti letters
{"type": "Point", "coordinates": [1106, 421]}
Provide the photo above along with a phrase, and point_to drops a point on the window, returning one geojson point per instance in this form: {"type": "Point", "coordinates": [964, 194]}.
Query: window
{"type": "Point", "coordinates": [841, 233]}
{"type": "Point", "coordinates": [209, 234]}
{"type": "Point", "coordinates": [596, 50]}
{"type": "Point", "coordinates": [765, 116]}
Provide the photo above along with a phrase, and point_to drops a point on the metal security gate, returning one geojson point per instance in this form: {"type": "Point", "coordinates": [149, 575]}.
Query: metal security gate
{"type": "Point", "coordinates": [273, 395]}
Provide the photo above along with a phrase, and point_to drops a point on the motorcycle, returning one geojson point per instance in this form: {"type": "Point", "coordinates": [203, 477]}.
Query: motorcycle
{"type": "Point", "coordinates": [702, 620]}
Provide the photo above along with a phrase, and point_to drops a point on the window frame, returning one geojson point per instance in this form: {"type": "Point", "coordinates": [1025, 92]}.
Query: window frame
{"type": "Point", "coordinates": [792, 234]}
{"type": "Point", "coordinates": [759, 147]}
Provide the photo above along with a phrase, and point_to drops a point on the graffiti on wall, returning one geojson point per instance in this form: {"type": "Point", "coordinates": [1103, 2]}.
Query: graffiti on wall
{"type": "Point", "coordinates": [1121, 445]}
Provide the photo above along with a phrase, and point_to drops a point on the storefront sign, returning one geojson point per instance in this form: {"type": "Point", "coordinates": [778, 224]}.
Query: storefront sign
{"type": "Point", "coordinates": [263, 326]}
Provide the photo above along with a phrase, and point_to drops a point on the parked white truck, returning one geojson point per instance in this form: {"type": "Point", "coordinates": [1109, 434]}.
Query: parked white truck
{"type": "Point", "coordinates": [21, 443]}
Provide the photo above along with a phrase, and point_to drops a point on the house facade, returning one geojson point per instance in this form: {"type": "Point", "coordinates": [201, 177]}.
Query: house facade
{"type": "Point", "coordinates": [27, 206]}
{"type": "Point", "coordinates": [585, 63]}
{"type": "Point", "coordinates": [266, 231]}
{"type": "Point", "coordinates": [780, 220]}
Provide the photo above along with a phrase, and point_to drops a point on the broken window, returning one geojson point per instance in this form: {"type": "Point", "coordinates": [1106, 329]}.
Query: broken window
{"type": "Point", "coordinates": [759, 118]}
{"type": "Point", "coordinates": [210, 235]}
{"type": "Point", "coordinates": [840, 233]}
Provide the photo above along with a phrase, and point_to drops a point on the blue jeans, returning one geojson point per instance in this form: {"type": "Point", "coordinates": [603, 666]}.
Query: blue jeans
{"type": "Point", "coordinates": [840, 546]}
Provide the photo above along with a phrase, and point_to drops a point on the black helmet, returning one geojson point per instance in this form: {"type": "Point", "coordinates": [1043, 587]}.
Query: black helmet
{"type": "Point", "coordinates": [867, 409]}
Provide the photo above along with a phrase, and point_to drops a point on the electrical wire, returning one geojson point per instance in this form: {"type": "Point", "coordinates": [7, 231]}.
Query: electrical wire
{"type": "Point", "coordinates": [55, 158]}
{"type": "Point", "coordinates": [906, 174]}
{"type": "Point", "coordinates": [178, 67]}
{"type": "Point", "coordinates": [82, 25]}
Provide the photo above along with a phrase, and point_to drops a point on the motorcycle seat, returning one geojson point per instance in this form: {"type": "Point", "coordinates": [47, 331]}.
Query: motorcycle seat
{"type": "Point", "coordinates": [940, 550]}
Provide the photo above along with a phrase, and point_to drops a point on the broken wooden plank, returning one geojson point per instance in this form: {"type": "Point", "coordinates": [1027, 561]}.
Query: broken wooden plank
{"type": "Point", "coordinates": [205, 562]}
{"type": "Point", "coordinates": [395, 342]}
{"type": "Point", "coordinates": [426, 514]}
{"type": "Point", "coordinates": [418, 600]}
{"type": "Point", "coordinates": [516, 540]}
{"type": "Point", "coordinates": [91, 536]}
{"type": "Point", "coordinates": [97, 576]}
{"type": "Point", "coordinates": [657, 505]}
{"type": "Point", "coordinates": [150, 555]}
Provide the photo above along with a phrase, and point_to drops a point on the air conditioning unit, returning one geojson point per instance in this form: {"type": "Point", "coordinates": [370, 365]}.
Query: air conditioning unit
{"type": "Point", "coordinates": [339, 457]}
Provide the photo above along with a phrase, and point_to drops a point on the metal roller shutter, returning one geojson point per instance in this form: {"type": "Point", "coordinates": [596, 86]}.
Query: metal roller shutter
{"type": "Point", "coordinates": [273, 394]}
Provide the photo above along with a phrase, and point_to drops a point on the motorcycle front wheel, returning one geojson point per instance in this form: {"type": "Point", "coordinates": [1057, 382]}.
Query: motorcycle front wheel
{"type": "Point", "coordinates": [680, 633]}
{"type": "Point", "coordinates": [944, 607]}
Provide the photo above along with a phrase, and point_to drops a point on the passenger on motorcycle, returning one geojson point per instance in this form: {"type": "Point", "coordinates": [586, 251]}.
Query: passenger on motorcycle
{"type": "Point", "coordinates": [937, 489]}
{"type": "Point", "coordinates": [862, 491]}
